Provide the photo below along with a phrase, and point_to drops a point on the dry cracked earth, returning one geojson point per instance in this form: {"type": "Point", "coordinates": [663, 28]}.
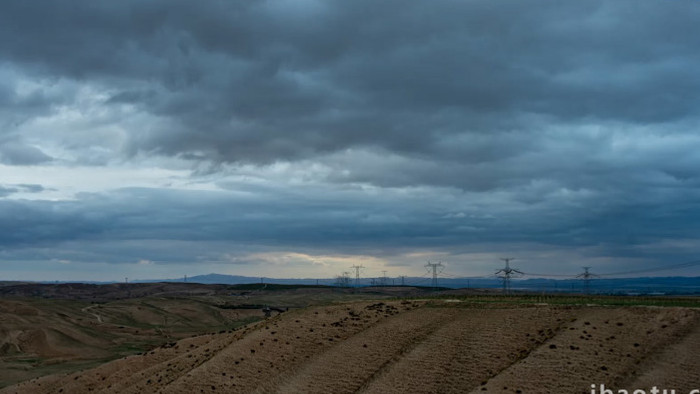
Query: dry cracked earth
{"type": "Point", "coordinates": [415, 347]}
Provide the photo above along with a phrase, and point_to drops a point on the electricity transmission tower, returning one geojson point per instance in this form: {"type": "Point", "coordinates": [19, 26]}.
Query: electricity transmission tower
{"type": "Point", "coordinates": [434, 267]}
{"type": "Point", "coordinates": [384, 280]}
{"type": "Point", "coordinates": [343, 280]}
{"type": "Point", "coordinates": [506, 273]}
{"type": "Point", "coordinates": [357, 269]}
{"type": "Point", "coordinates": [586, 276]}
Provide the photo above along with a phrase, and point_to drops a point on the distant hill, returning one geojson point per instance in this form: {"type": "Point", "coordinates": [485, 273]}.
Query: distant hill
{"type": "Point", "coordinates": [237, 280]}
{"type": "Point", "coordinates": [680, 285]}
{"type": "Point", "coordinates": [647, 285]}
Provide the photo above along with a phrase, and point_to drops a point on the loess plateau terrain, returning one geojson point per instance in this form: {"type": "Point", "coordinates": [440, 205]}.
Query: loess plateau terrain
{"type": "Point", "coordinates": [413, 345]}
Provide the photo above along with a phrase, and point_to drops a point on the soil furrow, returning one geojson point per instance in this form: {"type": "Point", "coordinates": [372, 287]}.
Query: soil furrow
{"type": "Point", "coordinates": [673, 367]}
{"type": "Point", "coordinates": [469, 350]}
{"type": "Point", "coordinates": [603, 346]}
{"type": "Point", "coordinates": [369, 351]}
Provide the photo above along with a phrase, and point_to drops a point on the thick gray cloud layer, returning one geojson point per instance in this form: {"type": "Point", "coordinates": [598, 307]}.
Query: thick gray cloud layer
{"type": "Point", "coordinates": [263, 81]}
{"type": "Point", "coordinates": [557, 123]}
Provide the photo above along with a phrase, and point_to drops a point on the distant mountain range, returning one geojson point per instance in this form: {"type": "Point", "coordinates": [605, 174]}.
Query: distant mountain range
{"type": "Point", "coordinates": [675, 285]}
{"type": "Point", "coordinates": [647, 285]}
{"type": "Point", "coordinates": [237, 279]}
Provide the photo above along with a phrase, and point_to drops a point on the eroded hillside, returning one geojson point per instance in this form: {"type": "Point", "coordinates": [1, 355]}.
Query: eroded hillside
{"type": "Point", "coordinates": [414, 346]}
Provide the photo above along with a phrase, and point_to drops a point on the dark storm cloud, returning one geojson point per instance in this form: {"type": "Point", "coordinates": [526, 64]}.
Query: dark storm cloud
{"type": "Point", "coordinates": [563, 124]}
{"type": "Point", "coordinates": [134, 224]}
{"type": "Point", "coordinates": [272, 215]}
{"type": "Point", "coordinates": [17, 153]}
{"type": "Point", "coordinates": [266, 81]}
{"type": "Point", "coordinates": [6, 190]}
{"type": "Point", "coordinates": [31, 188]}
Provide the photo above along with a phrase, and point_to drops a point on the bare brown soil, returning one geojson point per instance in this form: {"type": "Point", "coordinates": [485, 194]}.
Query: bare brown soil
{"type": "Point", "coordinates": [109, 292]}
{"type": "Point", "coordinates": [39, 337]}
{"type": "Point", "coordinates": [415, 347]}
{"type": "Point", "coordinates": [56, 328]}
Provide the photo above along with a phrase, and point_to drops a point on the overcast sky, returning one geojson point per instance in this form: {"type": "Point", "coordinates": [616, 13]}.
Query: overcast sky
{"type": "Point", "coordinates": [154, 139]}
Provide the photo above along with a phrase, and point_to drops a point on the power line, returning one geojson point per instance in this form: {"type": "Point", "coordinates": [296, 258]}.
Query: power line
{"type": "Point", "coordinates": [549, 275]}
{"type": "Point", "coordinates": [631, 272]}
{"type": "Point", "coordinates": [655, 269]}
{"type": "Point", "coordinates": [466, 277]}
{"type": "Point", "coordinates": [420, 281]}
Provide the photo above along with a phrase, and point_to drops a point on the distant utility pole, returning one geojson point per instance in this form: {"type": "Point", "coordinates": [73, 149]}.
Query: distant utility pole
{"type": "Point", "coordinates": [343, 280]}
{"type": "Point", "coordinates": [126, 280]}
{"type": "Point", "coordinates": [403, 280]}
{"type": "Point", "coordinates": [434, 267]}
{"type": "Point", "coordinates": [586, 276]}
{"type": "Point", "coordinates": [357, 269]}
{"type": "Point", "coordinates": [185, 278]}
{"type": "Point", "coordinates": [384, 279]}
{"type": "Point", "coordinates": [506, 273]}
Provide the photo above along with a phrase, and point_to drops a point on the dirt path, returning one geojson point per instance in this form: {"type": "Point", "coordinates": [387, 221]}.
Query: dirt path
{"type": "Point", "coordinates": [88, 309]}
